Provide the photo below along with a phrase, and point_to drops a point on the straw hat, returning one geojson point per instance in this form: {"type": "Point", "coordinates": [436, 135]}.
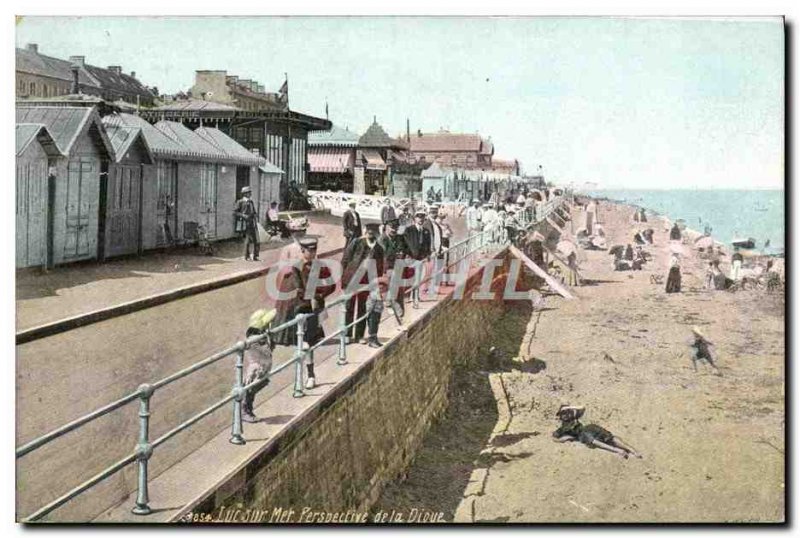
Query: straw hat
{"type": "Point", "coordinates": [696, 330]}
{"type": "Point", "coordinates": [260, 319]}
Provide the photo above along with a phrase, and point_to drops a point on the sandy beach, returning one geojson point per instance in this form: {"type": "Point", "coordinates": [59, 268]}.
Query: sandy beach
{"type": "Point", "coordinates": [713, 446]}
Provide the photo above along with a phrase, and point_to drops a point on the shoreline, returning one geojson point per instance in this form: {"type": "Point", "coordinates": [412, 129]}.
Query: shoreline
{"type": "Point", "coordinates": [693, 234]}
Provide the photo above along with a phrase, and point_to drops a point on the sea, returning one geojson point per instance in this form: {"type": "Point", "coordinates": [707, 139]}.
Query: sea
{"type": "Point", "coordinates": [730, 213]}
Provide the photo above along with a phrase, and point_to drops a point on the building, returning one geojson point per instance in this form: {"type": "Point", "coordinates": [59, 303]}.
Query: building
{"type": "Point", "coordinates": [280, 134]}
{"type": "Point", "coordinates": [40, 76]}
{"type": "Point", "coordinates": [195, 180]}
{"type": "Point", "coordinates": [506, 166]}
{"type": "Point", "coordinates": [331, 159]}
{"type": "Point", "coordinates": [244, 94]}
{"type": "Point", "coordinates": [376, 154]}
{"type": "Point", "coordinates": [36, 155]}
{"type": "Point", "coordinates": [73, 226]}
{"type": "Point", "coordinates": [466, 151]}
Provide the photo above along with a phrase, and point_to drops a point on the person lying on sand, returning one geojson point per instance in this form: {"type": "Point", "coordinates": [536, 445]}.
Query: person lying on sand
{"type": "Point", "coordinates": [591, 435]}
{"type": "Point", "coordinates": [701, 350]}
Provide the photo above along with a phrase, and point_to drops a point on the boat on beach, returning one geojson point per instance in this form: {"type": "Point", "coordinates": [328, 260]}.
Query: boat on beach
{"type": "Point", "coordinates": [748, 243]}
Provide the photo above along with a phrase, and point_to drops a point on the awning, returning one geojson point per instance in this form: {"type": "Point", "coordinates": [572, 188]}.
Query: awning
{"type": "Point", "coordinates": [330, 160]}
{"type": "Point", "coordinates": [374, 160]}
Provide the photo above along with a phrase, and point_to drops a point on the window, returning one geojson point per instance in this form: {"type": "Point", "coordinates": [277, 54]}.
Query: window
{"type": "Point", "coordinates": [32, 89]}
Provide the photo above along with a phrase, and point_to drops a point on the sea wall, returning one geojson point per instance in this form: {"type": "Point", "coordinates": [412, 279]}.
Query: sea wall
{"type": "Point", "coordinates": [366, 431]}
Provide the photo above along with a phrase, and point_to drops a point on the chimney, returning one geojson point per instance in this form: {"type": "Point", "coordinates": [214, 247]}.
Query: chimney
{"type": "Point", "coordinates": [408, 130]}
{"type": "Point", "coordinates": [75, 89]}
{"type": "Point", "coordinates": [33, 47]}
{"type": "Point", "coordinates": [80, 61]}
{"type": "Point", "coordinates": [116, 69]}
{"type": "Point", "coordinates": [419, 133]}
{"type": "Point", "coordinates": [253, 86]}
{"type": "Point", "coordinates": [133, 74]}
{"type": "Point", "coordinates": [260, 88]}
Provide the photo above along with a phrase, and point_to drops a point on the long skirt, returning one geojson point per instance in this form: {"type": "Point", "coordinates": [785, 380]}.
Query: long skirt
{"type": "Point", "coordinates": [674, 280]}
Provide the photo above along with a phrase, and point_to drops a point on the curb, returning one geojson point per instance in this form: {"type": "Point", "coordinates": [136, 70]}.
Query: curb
{"type": "Point", "coordinates": [81, 320]}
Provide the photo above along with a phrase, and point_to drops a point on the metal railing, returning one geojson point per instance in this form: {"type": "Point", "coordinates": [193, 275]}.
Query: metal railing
{"type": "Point", "coordinates": [475, 244]}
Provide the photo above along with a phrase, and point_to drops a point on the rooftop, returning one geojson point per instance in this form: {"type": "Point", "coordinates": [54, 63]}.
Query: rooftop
{"type": "Point", "coordinates": [64, 123]}
{"type": "Point", "coordinates": [29, 60]}
{"type": "Point", "coordinates": [376, 137]}
{"type": "Point", "coordinates": [26, 132]}
{"type": "Point", "coordinates": [335, 137]}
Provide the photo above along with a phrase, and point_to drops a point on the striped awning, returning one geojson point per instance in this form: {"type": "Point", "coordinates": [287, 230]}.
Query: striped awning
{"type": "Point", "coordinates": [374, 160]}
{"type": "Point", "coordinates": [330, 160]}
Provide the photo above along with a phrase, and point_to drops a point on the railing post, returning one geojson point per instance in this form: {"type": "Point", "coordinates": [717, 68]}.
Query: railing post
{"type": "Point", "coordinates": [342, 359]}
{"type": "Point", "coordinates": [298, 357]}
{"type": "Point", "coordinates": [143, 450]}
{"type": "Point", "coordinates": [238, 396]}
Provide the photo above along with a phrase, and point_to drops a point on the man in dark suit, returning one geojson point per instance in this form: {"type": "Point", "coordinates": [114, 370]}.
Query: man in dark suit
{"type": "Point", "coordinates": [361, 251]}
{"type": "Point", "coordinates": [418, 242]}
{"type": "Point", "coordinates": [248, 214]}
{"type": "Point", "coordinates": [394, 248]}
{"type": "Point", "coordinates": [387, 213]}
{"type": "Point", "coordinates": [351, 222]}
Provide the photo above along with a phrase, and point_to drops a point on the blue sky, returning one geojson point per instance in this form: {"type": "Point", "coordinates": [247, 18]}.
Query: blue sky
{"type": "Point", "coordinates": [679, 103]}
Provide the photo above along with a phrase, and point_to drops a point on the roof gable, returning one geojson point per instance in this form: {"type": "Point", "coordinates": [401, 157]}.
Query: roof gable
{"type": "Point", "coordinates": [66, 124]}
{"type": "Point", "coordinates": [376, 137]}
{"type": "Point", "coordinates": [123, 137]}
{"type": "Point", "coordinates": [28, 132]}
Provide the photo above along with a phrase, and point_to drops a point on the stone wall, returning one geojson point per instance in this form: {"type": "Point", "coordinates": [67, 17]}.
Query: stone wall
{"type": "Point", "coordinates": [366, 432]}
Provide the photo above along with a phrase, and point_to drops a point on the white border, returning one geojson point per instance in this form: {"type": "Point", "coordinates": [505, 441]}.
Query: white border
{"type": "Point", "coordinates": [691, 8]}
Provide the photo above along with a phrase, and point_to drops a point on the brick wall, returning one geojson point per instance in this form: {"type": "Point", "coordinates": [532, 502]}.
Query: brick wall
{"type": "Point", "coordinates": [366, 432]}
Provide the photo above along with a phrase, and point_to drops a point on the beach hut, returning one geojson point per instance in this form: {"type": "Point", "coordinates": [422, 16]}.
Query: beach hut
{"type": "Point", "coordinates": [128, 175]}
{"type": "Point", "coordinates": [72, 233]}
{"type": "Point", "coordinates": [36, 155]}
{"type": "Point", "coordinates": [195, 181]}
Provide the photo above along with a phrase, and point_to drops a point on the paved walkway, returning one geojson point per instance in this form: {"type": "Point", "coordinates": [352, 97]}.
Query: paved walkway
{"type": "Point", "coordinates": [78, 289]}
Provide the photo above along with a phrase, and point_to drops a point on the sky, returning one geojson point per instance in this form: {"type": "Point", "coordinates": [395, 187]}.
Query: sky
{"type": "Point", "coordinates": [623, 102]}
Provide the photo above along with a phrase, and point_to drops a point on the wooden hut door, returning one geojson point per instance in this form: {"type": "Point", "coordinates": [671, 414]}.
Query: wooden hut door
{"type": "Point", "coordinates": [77, 243]}
{"type": "Point", "coordinates": [31, 213]}
{"type": "Point", "coordinates": [208, 198]}
{"type": "Point", "coordinates": [122, 228]}
{"type": "Point", "coordinates": [166, 208]}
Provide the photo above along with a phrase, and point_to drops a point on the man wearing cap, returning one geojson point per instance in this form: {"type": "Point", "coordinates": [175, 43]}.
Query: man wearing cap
{"type": "Point", "coordinates": [387, 212]}
{"type": "Point", "coordinates": [351, 222]}
{"type": "Point", "coordinates": [362, 251]}
{"type": "Point", "coordinates": [257, 360]}
{"type": "Point", "coordinates": [435, 231]}
{"type": "Point", "coordinates": [294, 282]}
{"type": "Point", "coordinates": [394, 248]}
{"type": "Point", "coordinates": [418, 241]}
{"type": "Point", "coordinates": [247, 214]}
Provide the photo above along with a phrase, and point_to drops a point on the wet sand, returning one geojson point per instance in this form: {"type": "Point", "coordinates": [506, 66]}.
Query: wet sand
{"type": "Point", "coordinates": [713, 446]}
